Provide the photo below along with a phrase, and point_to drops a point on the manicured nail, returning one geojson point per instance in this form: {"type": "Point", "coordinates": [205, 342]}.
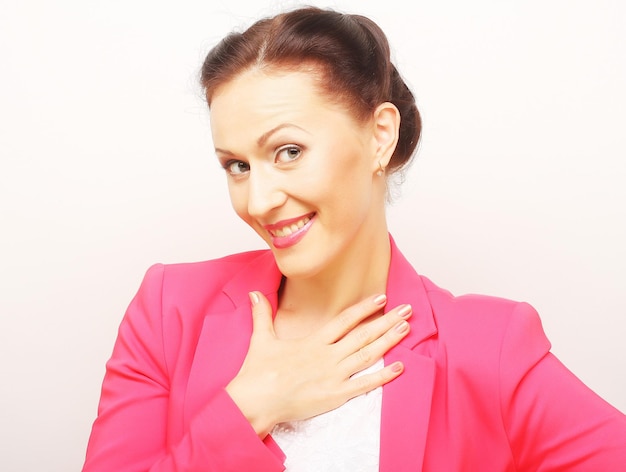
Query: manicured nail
{"type": "Point", "coordinates": [254, 298]}
{"type": "Point", "coordinates": [402, 327]}
{"type": "Point", "coordinates": [380, 300]}
{"type": "Point", "coordinates": [396, 367]}
{"type": "Point", "coordinates": [405, 311]}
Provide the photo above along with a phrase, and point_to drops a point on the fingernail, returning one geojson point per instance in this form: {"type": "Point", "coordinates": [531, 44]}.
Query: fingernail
{"type": "Point", "coordinates": [254, 298]}
{"type": "Point", "coordinates": [396, 367]}
{"type": "Point", "coordinates": [380, 299]}
{"type": "Point", "coordinates": [402, 327]}
{"type": "Point", "coordinates": [405, 311]}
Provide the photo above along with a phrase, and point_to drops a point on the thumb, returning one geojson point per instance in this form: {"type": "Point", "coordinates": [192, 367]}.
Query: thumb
{"type": "Point", "coordinates": [262, 322]}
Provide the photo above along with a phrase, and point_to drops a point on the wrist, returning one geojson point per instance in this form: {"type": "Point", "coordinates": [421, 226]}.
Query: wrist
{"type": "Point", "coordinates": [251, 406]}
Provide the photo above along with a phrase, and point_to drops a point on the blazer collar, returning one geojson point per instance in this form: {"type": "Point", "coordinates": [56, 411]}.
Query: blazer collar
{"type": "Point", "coordinates": [262, 275]}
{"type": "Point", "coordinates": [404, 285]}
{"type": "Point", "coordinates": [407, 399]}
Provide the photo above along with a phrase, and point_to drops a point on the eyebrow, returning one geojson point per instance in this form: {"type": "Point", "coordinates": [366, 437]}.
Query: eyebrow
{"type": "Point", "coordinates": [267, 135]}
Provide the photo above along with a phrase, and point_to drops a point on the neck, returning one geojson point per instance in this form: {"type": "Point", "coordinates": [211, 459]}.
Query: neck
{"type": "Point", "coordinates": [307, 303]}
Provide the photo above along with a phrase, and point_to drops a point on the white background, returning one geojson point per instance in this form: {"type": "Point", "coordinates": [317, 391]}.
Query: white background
{"type": "Point", "coordinates": [106, 167]}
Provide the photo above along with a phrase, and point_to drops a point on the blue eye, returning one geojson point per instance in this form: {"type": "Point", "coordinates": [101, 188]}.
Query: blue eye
{"type": "Point", "coordinates": [236, 167]}
{"type": "Point", "coordinates": [288, 153]}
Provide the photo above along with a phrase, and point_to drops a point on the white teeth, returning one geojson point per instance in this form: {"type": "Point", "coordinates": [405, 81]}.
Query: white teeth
{"type": "Point", "coordinates": [288, 230]}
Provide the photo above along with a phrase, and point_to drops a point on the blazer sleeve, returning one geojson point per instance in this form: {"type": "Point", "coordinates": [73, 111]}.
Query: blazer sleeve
{"type": "Point", "coordinates": [554, 422]}
{"type": "Point", "coordinates": [130, 432]}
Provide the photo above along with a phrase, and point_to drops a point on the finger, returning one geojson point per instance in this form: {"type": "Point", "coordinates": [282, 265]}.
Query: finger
{"type": "Point", "coordinates": [367, 332]}
{"type": "Point", "coordinates": [370, 353]}
{"type": "Point", "coordinates": [345, 321]}
{"type": "Point", "coordinates": [262, 323]}
{"type": "Point", "coordinates": [361, 384]}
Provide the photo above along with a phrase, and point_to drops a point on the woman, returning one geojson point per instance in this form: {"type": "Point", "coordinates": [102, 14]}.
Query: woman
{"type": "Point", "coordinates": [328, 351]}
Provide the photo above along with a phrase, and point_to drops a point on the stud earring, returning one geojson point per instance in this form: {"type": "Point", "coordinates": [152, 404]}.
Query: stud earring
{"type": "Point", "coordinates": [380, 170]}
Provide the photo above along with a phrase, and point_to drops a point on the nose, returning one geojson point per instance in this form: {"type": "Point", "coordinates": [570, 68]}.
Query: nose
{"type": "Point", "coordinates": [265, 192]}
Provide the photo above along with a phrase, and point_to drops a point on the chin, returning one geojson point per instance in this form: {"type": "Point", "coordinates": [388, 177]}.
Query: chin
{"type": "Point", "coordinates": [296, 266]}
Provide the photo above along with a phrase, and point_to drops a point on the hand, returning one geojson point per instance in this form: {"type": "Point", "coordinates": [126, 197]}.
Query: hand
{"type": "Point", "coordinates": [291, 379]}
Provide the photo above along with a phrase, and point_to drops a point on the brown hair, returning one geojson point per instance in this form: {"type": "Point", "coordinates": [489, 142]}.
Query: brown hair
{"type": "Point", "coordinates": [351, 52]}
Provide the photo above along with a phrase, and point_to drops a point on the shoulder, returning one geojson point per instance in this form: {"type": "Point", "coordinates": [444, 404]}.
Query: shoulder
{"type": "Point", "coordinates": [484, 326]}
{"type": "Point", "coordinates": [221, 268]}
{"type": "Point", "coordinates": [174, 299]}
{"type": "Point", "coordinates": [194, 286]}
{"type": "Point", "coordinates": [484, 344]}
{"type": "Point", "coordinates": [471, 304]}
{"type": "Point", "coordinates": [474, 309]}
{"type": "Point", "coordinates": [187, 276]}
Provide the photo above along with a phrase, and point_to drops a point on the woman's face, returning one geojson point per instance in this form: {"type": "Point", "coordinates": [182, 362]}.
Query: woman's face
{"type": "Point", "coordinates": [301, 170]}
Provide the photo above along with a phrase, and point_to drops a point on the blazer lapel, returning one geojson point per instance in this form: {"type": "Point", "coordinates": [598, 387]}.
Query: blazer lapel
{"type": "Point", "coordinates": [225, 335]}
{"type": "Point", "coordinates": [407, 399]}
{"type": "Point", "coordinates": [224, 339]}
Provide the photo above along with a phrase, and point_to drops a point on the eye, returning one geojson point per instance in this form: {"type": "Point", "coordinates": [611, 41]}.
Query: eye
{"type": "Point", "coordinates": [288, 153]}
{"type": "Point", "coordinates": [234, 167]}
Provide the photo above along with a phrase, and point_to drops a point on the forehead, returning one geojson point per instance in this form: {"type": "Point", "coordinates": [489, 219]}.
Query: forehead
{"type": "Point", "coordinates": [258, 89]}
{"type": "Point", "coordinates": [257, 100]}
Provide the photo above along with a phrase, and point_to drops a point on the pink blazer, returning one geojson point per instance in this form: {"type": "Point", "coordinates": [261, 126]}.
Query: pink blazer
{"type": "Point", "coordinates": [480, 391]}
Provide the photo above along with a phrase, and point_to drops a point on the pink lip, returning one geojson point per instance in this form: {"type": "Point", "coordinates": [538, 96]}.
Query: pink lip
{"type": "Point", "coordinates": [293, 238]}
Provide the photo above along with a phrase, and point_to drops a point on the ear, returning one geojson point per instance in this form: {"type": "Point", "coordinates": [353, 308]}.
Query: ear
{"type": "Point", "coordinates": [386, 123]}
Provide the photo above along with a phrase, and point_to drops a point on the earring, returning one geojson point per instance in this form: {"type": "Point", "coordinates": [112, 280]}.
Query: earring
{"type": "Point", "coordinates": [380, 170]}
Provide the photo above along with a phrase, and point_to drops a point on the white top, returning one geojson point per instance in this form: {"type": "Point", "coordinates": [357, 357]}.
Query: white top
{"type": "Point", "coordinates": [345, 439]}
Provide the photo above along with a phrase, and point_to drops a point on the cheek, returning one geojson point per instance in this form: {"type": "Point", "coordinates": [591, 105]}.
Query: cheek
{"type": "Point", "coordinates": [349, 180]}
{"type": "Point", "coordinates": [340, 171]}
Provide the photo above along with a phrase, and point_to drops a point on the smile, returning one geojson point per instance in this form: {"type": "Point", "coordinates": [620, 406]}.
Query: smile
{"type": "Point", "coordinates": [286, 233]}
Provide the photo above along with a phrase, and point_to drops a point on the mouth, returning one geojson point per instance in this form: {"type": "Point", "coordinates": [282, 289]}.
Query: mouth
{"type": "Point", "coordinates": [286, 233]}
